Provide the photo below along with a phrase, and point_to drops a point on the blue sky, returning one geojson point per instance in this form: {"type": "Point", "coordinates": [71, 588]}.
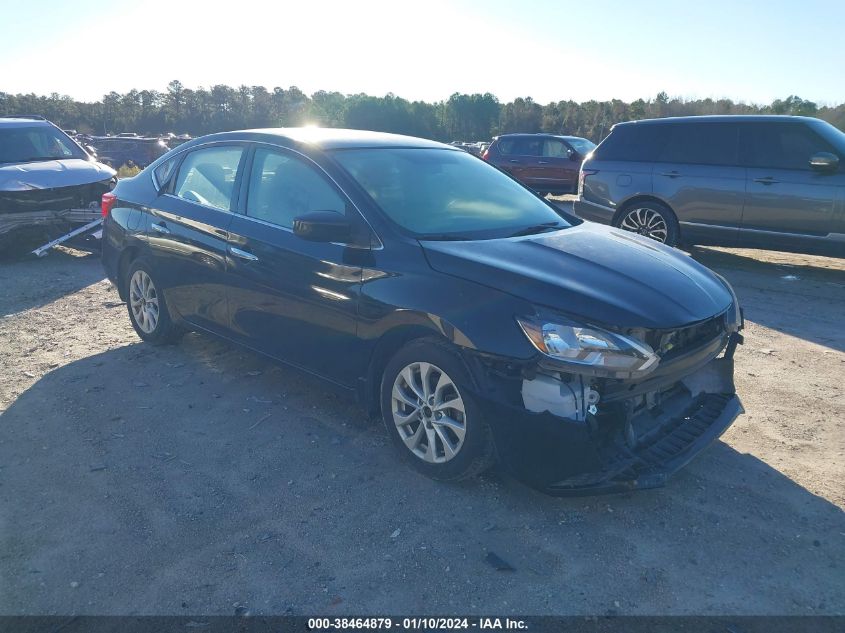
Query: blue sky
{"type": "Point", "coordinates": [550, 50]}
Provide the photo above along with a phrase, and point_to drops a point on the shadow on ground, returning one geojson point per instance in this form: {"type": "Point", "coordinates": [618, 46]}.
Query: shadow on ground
{"type": "Point", "coordinates": [202, 479]}
{"type": "Point", "coordinates": [776, 294]}
{"type": "Point", "coordinates": [39, 281]}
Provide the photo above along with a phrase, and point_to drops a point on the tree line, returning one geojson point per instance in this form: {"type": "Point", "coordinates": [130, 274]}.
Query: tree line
{"type": "Point", "coordinates": [466, 117]}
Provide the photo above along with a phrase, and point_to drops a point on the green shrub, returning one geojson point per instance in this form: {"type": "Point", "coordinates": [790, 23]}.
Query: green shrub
{"type": "Point", "coordinates": [125, 171]}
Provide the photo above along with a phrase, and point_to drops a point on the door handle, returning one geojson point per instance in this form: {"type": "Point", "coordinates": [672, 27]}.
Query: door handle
{"type": "Point", "coordinates": [670, 174]}
{"type": "Point", "coordinates": [513, 161]}
{"type": "Point", "coordinates": [160, 227]}
{"type": "Point", "coordinates": [242, 254]}
{"type": "Point", "coordinates": [542, 162]}
{"type": "Point", "coordinates": [768, 180]}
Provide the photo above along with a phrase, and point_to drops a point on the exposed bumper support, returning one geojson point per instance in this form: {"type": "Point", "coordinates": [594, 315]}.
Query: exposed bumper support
{"type": "Point", "coordinates": [12, 221]}
{"type": "Point", "coordinates": [653, 461]}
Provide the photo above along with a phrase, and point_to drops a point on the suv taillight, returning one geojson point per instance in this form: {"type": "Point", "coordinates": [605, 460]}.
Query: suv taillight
{"type": "Point", "coordinates": [582, 177]}
{"type": "Point", "coordinates": [107, 203]}
{"type": "Point", "coordinates": [485, 154]}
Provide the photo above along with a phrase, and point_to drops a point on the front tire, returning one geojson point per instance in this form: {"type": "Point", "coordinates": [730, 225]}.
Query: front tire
{"type": "Point", "coordinates": [430, 413]}
{"type": "Point", "coordinates": [147, 307]}
{"type": "Point", "coordinates": [650, 219]}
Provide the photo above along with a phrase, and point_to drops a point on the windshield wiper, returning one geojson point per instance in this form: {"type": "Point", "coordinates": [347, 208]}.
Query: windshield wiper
{"type": "Point", "coordinates": [444, 237]}
{"type": "Point", "coordinates": [537, 228]}
{"type": "Point", "coordinates": [31, 159]}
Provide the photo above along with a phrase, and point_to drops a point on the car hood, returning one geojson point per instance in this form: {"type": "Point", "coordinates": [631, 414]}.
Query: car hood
{"type": "Point", "coordinates": [52, 174]}
{"type": "Point", "coordinates": [592, 272]}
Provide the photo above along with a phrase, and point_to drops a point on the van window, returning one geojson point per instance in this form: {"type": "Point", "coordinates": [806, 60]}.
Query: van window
{"type": "Point", "coordinates": [781, 145]}
{"type": "Point", "coordinates": [633, 142]}
{"type": "Point", "coordinates": [702, 144]}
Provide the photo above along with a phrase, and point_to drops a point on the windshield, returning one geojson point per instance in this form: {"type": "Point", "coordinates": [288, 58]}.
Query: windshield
{"type": "Point", "coordinates": [42, 142]}
{"type": "Point", "coordinates": [581, 145]}
{"type": "Point", "coordinates": [447, 194]}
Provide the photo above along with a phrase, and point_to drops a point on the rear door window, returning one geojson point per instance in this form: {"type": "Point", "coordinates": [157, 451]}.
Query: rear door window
{"type": "Point", "coordinates": [635, 142]}
{"type": "Point", "coordinates": [521, 146]}
{"type": "Point", "coordinates": [781, 145]}
{"type": "Point", "coordinates": [207, 176]}
{"type": "Point", "coordinates": [701, 144]}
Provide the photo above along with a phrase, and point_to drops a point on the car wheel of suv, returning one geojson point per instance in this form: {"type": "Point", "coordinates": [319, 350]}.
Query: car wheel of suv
{"type": "Point", "coordinates": [147, 307]}
{"type": "Point", "coordinates": [650, 219]}
{"type": "Point", "coordinates": [430, 414]}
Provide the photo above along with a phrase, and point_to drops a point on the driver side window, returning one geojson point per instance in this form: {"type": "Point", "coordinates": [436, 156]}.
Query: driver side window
{"type": "Point", "coordinates": [282, 187]}
{"type": "Point", "coordinates": [207, 176]}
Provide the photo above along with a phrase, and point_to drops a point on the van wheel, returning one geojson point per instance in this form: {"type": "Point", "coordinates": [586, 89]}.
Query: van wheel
{"type": "Point", "coordinates": [650, 219]}
{"type": "Point", "coordinates": [147, 308]}
{"type": "Point", "coordinates": [430, 414]}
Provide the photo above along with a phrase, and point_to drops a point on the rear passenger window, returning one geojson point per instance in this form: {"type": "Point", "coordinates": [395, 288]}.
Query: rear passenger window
{"type": "Point", "coordinates": [634, 142]}
{"type": "Point", "coordinates": [701, 144]}
{"type": "Point", "coordinates": [282, 187]}
{"type": "Point", "coordinates": [163, 172]}
{"type": "Point", "coordinates": [207, 176]}
{"type": "Point", "coordinates": [521, 146]}
{"type": "Point", "coordinates": [781, 145]}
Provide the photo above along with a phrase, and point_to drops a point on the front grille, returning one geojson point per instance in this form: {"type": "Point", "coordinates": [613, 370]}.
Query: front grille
{"type": "Point", "coordinates": [670, 343]}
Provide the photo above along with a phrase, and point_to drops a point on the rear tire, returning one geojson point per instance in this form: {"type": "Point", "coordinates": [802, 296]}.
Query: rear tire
{"type": "Point", "coordinates": [650, 219]}
{"type": "Point", "coordinates": [147, 307]}
{"type": "Point", "coordinates": [430, 413]}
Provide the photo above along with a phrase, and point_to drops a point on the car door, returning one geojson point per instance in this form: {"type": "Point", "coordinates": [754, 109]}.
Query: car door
{"type": "Point", "coordinates": [790, 205]}
{"type": "Point", "coordinates": [291, 298]}
{"type": "Point", "coordinates": [520, 157]}
{"type": "Point", "coordinates": [556, 168]}
{"type": "Point", "coordinates": [698, 174]}
{"type": "Point", "coordinates": [187, 230]}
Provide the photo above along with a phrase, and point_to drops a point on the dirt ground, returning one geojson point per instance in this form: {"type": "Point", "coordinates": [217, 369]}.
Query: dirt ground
{"type": "Point", "coordinates": [203, 479]}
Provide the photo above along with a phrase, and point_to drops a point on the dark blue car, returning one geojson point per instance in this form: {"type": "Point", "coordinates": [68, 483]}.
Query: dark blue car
{"type": "Point", "coordinates": [476, 319]}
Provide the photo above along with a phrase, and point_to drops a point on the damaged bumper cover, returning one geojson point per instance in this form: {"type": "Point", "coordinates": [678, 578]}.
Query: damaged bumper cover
{"type": "Point", "coordinates": [614, 437]}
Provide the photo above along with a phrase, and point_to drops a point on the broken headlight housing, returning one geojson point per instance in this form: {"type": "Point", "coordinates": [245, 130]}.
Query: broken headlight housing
{"type": "Point", "coordinates": [591, 350]}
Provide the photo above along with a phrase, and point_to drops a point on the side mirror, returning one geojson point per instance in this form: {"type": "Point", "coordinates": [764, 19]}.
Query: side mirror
{"type": "Point", "coordinates": [824, 161]}
{"type": "Point", "coordinates": [575, 156]}
{"type": "Point", "coordinates": [323, 226]}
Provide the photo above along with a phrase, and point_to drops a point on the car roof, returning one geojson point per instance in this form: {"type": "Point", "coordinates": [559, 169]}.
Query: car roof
{"type": "Point", "coordinates": [24, 121]}
{"type": "Point", "coordinates": [323, 138]}
{"type": "Point", "coordinates": [721, 118]}
{"type": "Point", "coordinates": [546, 134]}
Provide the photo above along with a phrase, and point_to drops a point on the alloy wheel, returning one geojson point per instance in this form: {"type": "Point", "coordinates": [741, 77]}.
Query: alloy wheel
{"type": "Point", "coordinates": [646, 222]}
{"type": "Point", "coordinates": [143, 300]}
{"type": "Point", "coordinates": [428, 412]}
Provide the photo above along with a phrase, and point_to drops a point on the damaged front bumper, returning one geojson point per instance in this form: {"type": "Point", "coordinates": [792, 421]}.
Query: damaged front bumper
{"type": "Point", "coordinates": [12, 221]}
{"type": "Point", "coordinates": [616, 436]}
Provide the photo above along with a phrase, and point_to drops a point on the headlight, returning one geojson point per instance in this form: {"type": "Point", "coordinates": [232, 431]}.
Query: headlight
{"type": "Point", "coordinates": [591, 350]}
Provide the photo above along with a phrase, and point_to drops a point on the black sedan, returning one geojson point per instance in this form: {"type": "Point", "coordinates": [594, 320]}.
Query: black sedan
{"type": "Point", "coordinates": [479, 321]}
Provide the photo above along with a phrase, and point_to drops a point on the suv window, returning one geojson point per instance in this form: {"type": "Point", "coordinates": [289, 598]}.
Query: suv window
{"type": "Point", "coordinates": [555, 148]}
{"type": "Point", "coordinates": [781, 145]}
{"type": "Point", "coordinates": [521, 146]}
{"type": "Point", "coordinates": [282, 187]}
{"type": "Point", "coordinates": [701, 144]}
{"type": "Point", "coordinates": [208, 175]}
{"type": "Point", "coordinates": [633, 142]}
{"type": "Point", "coordinates": [42, 142]}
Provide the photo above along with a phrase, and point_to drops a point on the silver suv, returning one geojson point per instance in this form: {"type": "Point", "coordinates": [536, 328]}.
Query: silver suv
{"type": "Point", "coordinates": [773, 182]}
